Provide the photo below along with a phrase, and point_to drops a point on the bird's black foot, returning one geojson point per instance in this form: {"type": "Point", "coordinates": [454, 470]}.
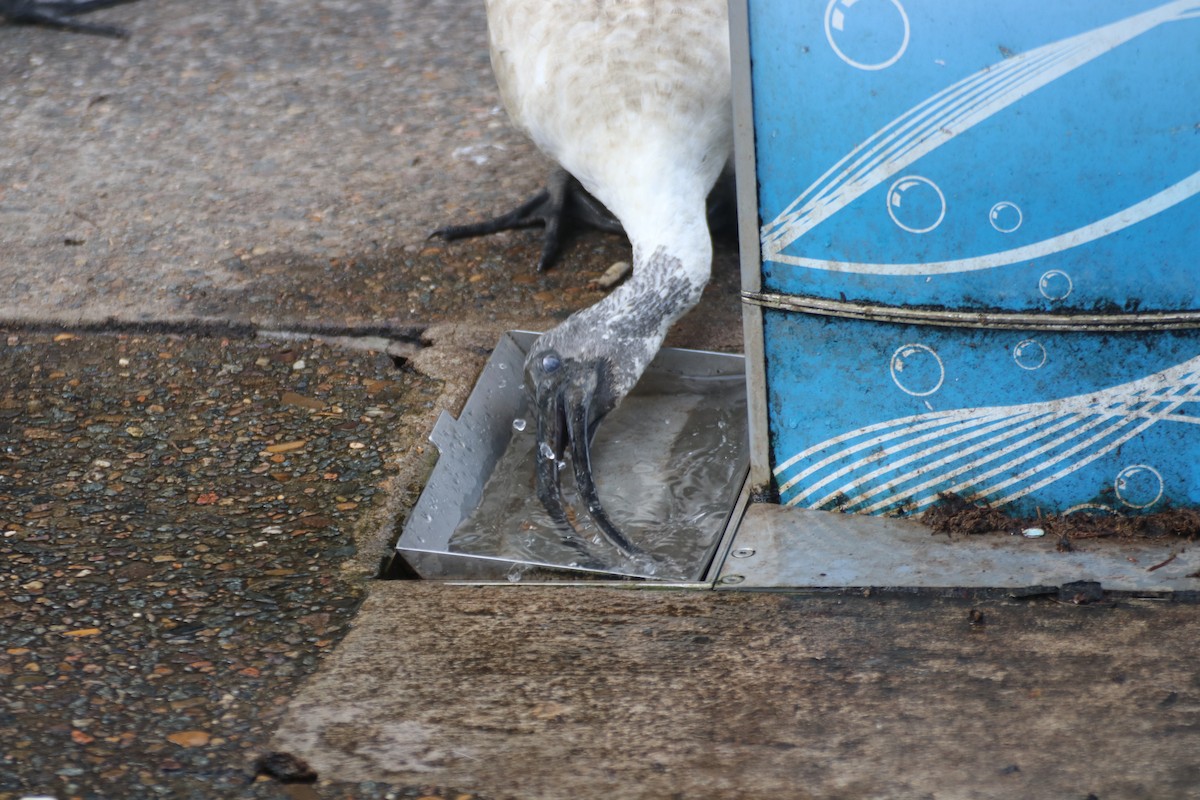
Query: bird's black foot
{"type": "Point", "coordinates": [562, 198]}
{"type": "Point", "coordinates": [59, 13]}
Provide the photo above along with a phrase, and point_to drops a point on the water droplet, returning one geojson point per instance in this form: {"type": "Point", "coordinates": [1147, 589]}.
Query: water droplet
{"type": "Point", "coordinates": [518, 424]}
{"type": "Point", "coordinates": [1139, 486]}
{"type": "Point", "coordinates": [429, 518]}
{"type": "Point", "coordinates": [516, 573]}
{"type": "Point", "coordinates": [501, 365]}
{"type": "Point", "coordinates": [1005, 217]}
{"type": "Point", "coordinates": [546, 450]}
{"type": "Point", "coordinates": [1055, 285]}
{"type": "Point", "coordinates": [1029, 354]}
{"type": "Point", "coordinates": [916, 204]}
{"type": "Point", "coordinates": [867, 34]}
{"type": "Point", "coordinates": [917, 370]}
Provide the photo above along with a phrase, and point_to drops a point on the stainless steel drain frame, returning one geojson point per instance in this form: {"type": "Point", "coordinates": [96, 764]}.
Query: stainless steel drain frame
{"type": "Point", "coordinates": [470, 448]}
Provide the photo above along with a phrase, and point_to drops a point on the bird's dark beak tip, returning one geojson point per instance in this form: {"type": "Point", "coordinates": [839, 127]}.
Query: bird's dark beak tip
{"type": "Point", "coordinates": [562, 402]}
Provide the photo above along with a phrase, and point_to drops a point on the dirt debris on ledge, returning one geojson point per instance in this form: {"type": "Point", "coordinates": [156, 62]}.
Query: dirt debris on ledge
{"type": "Point", "coordinates": [954, 514]}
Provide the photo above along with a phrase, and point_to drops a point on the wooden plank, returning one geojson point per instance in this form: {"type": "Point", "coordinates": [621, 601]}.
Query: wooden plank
{"type": "Point", "coordinates": [598, 693]}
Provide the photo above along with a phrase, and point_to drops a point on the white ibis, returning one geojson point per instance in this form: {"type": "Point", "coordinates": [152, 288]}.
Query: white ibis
{"type": "Point", "coordinates": [632, 99]}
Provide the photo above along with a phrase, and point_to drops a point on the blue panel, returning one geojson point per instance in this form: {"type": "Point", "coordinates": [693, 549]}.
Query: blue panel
{"type": "Point", "coordinates": [879, 418]}
{"type": "Point", "coordinates": [1020, 155]}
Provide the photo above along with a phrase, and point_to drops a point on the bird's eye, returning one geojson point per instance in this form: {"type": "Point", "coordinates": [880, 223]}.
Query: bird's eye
{"type": "Point", "coordinates": [551, 362]}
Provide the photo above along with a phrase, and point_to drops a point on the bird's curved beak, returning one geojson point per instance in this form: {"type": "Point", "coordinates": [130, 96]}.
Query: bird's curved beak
{"type": "Point", "coordinates": [563, 396]}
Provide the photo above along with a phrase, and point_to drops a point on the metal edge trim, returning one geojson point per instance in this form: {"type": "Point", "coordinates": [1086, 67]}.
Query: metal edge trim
{"type": "Point", "coordinates": [734, 524]}
{"type": "Point", "coordinates": [1014, 320]}
{"type": "Point", "coordinates": [746, 175]}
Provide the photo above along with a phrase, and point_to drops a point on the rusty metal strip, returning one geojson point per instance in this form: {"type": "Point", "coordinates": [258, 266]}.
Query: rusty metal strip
{"type": "Point", "coordinates": [1000, 320]}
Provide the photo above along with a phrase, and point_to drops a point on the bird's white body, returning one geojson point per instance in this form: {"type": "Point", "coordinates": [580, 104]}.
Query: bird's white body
{"type": "Point", "coordinates": [632, 97]}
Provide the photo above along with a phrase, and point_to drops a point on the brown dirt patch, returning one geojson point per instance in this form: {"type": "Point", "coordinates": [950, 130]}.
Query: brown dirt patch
{"type": "Point", "coordinates": [954, 514]}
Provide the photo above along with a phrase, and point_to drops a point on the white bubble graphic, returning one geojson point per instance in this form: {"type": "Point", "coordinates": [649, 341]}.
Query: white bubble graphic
{"type": "Point", "coordinates": [1029, 354]}
{"type": "Point", "coordinates": [1139, 486]}
{"type": "Point", "coordinates": [1005, 217]}
{"type": "Point", "coordinates": [917, 369]}
{"type": "Point", "coordinates": [867, 34]}
{"type": "Point", "coordinates": [1055, 285]}
{"type": "Point", "coordinates": [916, 204]}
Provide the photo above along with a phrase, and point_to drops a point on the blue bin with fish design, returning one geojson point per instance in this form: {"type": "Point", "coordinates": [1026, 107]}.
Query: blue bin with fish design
{"type": "Point", "coordinates": [970, 237]}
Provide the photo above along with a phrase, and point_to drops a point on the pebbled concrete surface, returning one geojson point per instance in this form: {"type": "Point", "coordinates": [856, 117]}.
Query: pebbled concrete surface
{"type": "Point", "coordinates": [178, 525]}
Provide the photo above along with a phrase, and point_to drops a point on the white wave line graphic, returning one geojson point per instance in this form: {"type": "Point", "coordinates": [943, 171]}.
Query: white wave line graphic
{"type": "Point", "coordinates": [1172, 195]}
{"type": "Point", "coordinates": [914, 134]}
{"type": "Point", "coordinates": [906, 426]}
{"type": "Point", "coordinates": [1087, 459]}
{"type": "Point", "coordinates": [1114, 425]}
{"type": "Point", "coordinates": [979, 429]}
{"type": "Point", "coordinates": [1125, 416]}
{"type": "Point", "coordinates": [942, 117]}
{"type": "Point", "coordinates": [989, 447]}
{"type": "Point", "coordinates": [903, 424]}
{"type": "Point", "coordinates": [1091, 424]}
{"type": "Point", "coordinates": [898, 432]}
{"type": "Point", "coordinates": [1124, 411]}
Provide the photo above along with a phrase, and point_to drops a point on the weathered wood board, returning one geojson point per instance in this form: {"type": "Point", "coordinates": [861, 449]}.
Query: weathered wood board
{"type": "Point", "coordinates": [537, 692]}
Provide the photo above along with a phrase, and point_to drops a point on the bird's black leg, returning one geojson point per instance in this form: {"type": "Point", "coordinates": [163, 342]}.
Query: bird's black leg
{"type": "Point", "coordinates": [58, 13]}
{"type": "Point", "coordinates": [563, 197]}
{"type": "Point", "coordinates": [722, 208]}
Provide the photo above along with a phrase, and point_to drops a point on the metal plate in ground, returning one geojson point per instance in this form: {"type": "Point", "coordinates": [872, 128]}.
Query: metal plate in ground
{"type": "Point", "coordinates": [685, 420]}
{"type": "Point", "coordinates": [777, 547]}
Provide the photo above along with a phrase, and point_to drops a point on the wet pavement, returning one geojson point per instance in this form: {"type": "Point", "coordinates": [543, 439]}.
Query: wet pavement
{"type": "Point", "coordinates": [275, 164]}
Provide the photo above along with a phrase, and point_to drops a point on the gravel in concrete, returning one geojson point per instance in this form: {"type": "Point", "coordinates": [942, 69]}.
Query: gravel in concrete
{"type": "Point", "coordinates": [177, 538]}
